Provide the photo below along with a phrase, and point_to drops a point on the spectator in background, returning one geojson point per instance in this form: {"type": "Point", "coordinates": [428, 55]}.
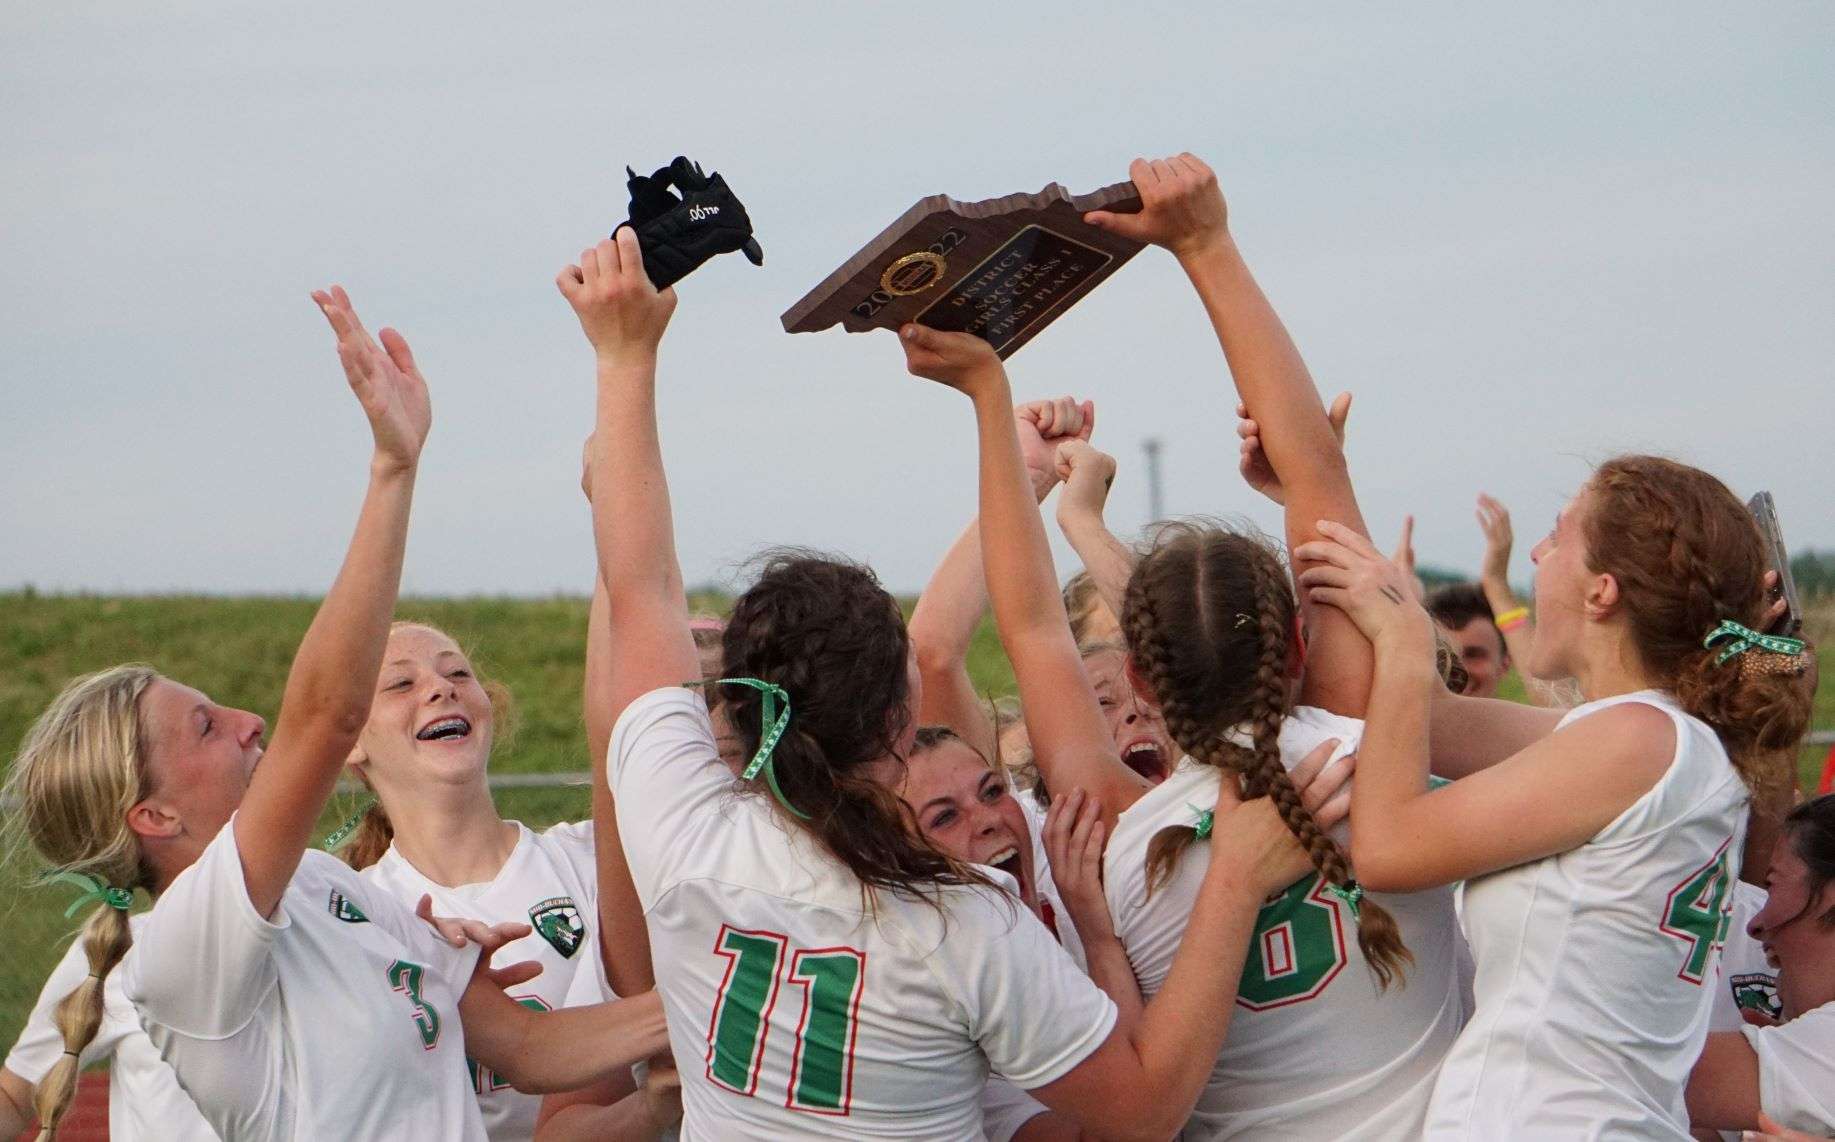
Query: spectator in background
{"type": "Point", "coordinates": [1465, 615]}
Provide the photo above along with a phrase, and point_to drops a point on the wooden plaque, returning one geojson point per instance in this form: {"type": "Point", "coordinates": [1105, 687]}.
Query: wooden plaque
{"type": "Point", "coordinates": [1002, 269]}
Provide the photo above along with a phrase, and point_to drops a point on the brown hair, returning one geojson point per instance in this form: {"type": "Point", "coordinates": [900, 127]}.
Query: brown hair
{"type": "Point", "coordinates": [1208, 615]}
{"type": "Point", "coordinates": [374, 831]}
{"type": "Point", "coordinates": [1809, 830]}
{"type": "Point", "coordinates": [826, 631]}
{"type": "Point", "coordinates": [1687, 554]}
{"type": "Point", "coordinates": [81, 768]}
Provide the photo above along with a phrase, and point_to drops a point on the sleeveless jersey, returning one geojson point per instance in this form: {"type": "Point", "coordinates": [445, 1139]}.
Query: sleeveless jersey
{"type": "Point", "coordinates": [1314, 1049]}
{"type": "Point", "coordinates": [797, 1009]}
{"type": "Point", "coordinates": [550, 883]}
{"type": "Point", "coordinates": [1596, 967]}
{"type": "Point", "coordinates": [145, 1102]}
{"type": "Point", "coordinates": [335, 1018]}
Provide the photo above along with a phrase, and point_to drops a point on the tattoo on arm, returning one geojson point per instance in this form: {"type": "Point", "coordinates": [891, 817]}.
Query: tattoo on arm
{"type": "Point", "coordinates": [1392, 594]}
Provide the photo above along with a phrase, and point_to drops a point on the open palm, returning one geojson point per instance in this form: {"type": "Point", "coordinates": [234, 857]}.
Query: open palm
{"type": "Point", "coordinates": [384, 377]}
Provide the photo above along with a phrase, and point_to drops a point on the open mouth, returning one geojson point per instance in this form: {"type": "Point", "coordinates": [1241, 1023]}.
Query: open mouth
{"type": "Point", "coordinates": [1145, 759]}
{"type": "Point", "coordinates": [445, 730]}
{"type": "Point", "coordinates": [1008, 861]}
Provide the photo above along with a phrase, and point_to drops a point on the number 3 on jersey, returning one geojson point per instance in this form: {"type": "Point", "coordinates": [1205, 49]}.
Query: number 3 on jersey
{"type": "Point", "coordinates": [1698, 912]}
{"type": "Point", "coordinates": [821, 1079]}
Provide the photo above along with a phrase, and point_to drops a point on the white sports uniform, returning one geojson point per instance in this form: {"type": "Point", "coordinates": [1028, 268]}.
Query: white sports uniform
{"type": "Point", "coordinates": [145, 1103]}
{"type": "Point", "coordinates": [1797, 1070]}
{"type": "Point", "coordinates": [550, 883]}
{"type": "Point", "coordinates": [1050, 901]}
{"type": "Point", "coordinates": [1747, 981]}
{"type": "Point", "coordinates": [1596, 966]}
{"type": "Point", "coordinates": [337, 1018]}
{"type": "Point", "coordinates": [793, 1009]}
{"type": "Point", "coordinates": [1314, 1050]}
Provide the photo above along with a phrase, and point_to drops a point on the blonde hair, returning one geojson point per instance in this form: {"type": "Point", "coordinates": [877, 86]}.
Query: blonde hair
{"type": "Point", "coordinates": [374, 831]}
{"type": "Point", "coordinates": [80, 770]}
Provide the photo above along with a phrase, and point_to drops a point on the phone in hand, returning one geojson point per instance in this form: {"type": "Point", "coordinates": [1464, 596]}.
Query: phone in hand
{"type": "Point", "coordinates": [1765, 510]}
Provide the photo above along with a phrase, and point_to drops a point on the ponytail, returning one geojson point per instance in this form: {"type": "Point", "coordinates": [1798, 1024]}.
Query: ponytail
{"type": "Point", "coordinates": [106, 940]}
{"type": "Point", "coordinates": [369, 840]}
{"type": "Point", "coordinates": [1231, 668]}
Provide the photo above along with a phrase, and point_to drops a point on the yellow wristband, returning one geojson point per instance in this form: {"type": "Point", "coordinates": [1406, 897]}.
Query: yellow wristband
{"type": "Point", "coordinates": [1511, 619]}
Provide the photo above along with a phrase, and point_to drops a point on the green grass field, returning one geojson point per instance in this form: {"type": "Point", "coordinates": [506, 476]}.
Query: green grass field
{"type": "Point", "coordinates": [238, 649]}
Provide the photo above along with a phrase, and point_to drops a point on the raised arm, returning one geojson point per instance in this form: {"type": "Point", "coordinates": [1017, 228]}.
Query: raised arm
{"type": "Point", "coordinates": [1183, 211]}
{"type": "Point", "coordinates": [1070, 741]}
{"type": "Point", "coordinates": [624, 316]}
{"type": "Point", "coordinates": [1087, 474]}
{"type": "Point", "coordinates": [327, 698]}
{"type": "Point", "coordinates": [943, 624]}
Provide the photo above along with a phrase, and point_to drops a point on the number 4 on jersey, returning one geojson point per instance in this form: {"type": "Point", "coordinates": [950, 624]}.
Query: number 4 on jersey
{"type": "Point", "coordinates": [1699, 911]}
{"type": "Point", "coordinates": [821, 1079]}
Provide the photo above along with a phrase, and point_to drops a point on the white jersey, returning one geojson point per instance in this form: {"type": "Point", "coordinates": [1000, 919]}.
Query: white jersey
{"type": "Point", "coordinates": [337, 1018]}
{"type": "Point", "coordinates": [145, 1103]}
{"type": "Point", "coordinates": [795, 1011]}
{"type": "Point", "coordinates": [1315, 1050]}
{"type": "Point", "coordinates": [1596, 966]}
{"type": "Point", "coordinates": [1797, 1070]}
{"type": "Point", "coordinates": [550, 883]}
{"type": "Point", "coordinates": [1005, 1109]}
{"type": "Point", "coordinates": [1748, 982]}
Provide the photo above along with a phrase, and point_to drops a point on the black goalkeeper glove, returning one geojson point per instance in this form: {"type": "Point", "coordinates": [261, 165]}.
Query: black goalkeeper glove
{"type": "Point", "coordinates": [678, 234]}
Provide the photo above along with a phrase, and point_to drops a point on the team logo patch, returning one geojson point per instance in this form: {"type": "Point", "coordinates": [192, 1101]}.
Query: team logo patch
{"type": "Point", "coordinates": [1757, 991]}
{"type": "Point", "coordinates": [558, 921]}
{"type": "Point", "coordinates": [343, 909]}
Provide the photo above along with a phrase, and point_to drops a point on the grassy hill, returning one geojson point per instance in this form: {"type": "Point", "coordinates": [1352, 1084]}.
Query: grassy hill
{"type": "Point", "coordinates": [238, 649]}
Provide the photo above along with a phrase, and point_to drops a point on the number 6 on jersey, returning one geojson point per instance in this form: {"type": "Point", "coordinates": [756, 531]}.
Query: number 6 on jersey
{"type": "Point", "coordinates": [821, 1078]}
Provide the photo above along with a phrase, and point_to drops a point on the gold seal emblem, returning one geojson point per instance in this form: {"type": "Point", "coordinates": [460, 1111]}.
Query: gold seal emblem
{"type": "Point", "coordinates": [913, 273]}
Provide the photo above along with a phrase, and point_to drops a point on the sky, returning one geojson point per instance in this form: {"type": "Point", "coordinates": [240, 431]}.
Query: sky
{"type": "Point", "coordinates": [1526, 238]}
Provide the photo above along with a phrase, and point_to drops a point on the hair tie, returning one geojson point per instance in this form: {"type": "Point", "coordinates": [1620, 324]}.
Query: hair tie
{"type": "Point", "coordinates": [771, 726]}
{"type": "Point", "coordinates": [1206, 818]}
{"type": "Point", "coordinates": [1352, 894]}
{"type": "Point", "coordinates": [95, 891]}
{"type": "Point", "coordinates": [335, 840]}
{"type": "Point", "coordinates": [1745, 638]}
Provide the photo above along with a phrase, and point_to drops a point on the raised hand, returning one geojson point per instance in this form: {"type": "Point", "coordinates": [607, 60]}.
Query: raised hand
{"type": "Point", "coordinates": [1042, 426]}
{"type": "Point", "coordinates": [962, 361]}
{"type": "Point", "coordinates": [1494, 520]}
{"type": "Point", "coordinates": [1181, 207]}
{"type": "Point", "coordinates": [1253, 464]}
{"type": "Point", "coordinates": [1404, 559]}
{"type": "Point", "coordinates": [621, 312]}
{"type": "Point", "coordinates": [1087, 473]}
{"type": "Point", "coordinates": [384, 378]}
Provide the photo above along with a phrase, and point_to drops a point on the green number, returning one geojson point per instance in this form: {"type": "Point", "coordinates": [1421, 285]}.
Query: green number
{"type": "Point", "coordinates": [1298, 948]}
{"type": "Point", "coordinates": [483, 1079]}
{"type": "Point", "coordinates": [822, 1073]}
{"type": "Point", "coordinates": [743, 1007]}
{"type": "Point", "coordinates": [1698, 913]}
{"type": "Point", "coordinates": [821, 1076]}
{"type": "Point", "coordinates": [406, 977]}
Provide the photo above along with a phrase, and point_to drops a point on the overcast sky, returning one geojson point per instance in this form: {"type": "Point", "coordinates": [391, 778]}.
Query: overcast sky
{"type": "Point", "coordinates": [1525, 237]}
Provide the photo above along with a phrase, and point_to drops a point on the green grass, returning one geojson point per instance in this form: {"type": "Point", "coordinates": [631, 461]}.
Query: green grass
{"type": "Point", "coordinates": [238, 649]}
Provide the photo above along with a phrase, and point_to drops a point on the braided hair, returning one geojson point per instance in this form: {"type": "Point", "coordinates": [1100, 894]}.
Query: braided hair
{"type": "Point", "coordinates": [1208, 617]}
{"type": "Point", "coordinates": [826, 631]}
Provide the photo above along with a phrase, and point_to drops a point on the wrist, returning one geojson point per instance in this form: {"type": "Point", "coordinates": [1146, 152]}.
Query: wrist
{"type": "Point", "coordinates": [384, 467]}
{"type": "Point", "coordinates": [987, 388]}
{"type": "Point", "coordinates": [1080, 521]}
{"type": "Point", "coordinates": [1195, 249]}
{"type": "Point", "coordinates": [624, 361]}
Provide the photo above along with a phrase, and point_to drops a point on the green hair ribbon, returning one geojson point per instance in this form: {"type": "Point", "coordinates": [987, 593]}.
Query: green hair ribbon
{"type": "Point", "coordinates": [771, 723]}
{"type": "Point", "coordinates": [1206, 818]}
{"type": "Point", "coordinates": [1745, 638]}
{"type": "Point", "coordinates": [339, 835]}
{"type": "Point", "coordinates": [1351, 894]}
{"type": "Point", "coordinates": [95, 891]}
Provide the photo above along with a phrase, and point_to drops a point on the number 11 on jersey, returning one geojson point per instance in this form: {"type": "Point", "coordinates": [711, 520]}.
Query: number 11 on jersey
{"type": "Point", "coordinates": [821, 1078]}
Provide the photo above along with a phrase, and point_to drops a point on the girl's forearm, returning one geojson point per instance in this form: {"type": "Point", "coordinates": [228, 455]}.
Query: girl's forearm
{"type": "Point", "coordinates": [575, 1046]}
{"type": "Point", "coordinates": [1108, 560]}
{"type": "Point", "coordinates": [1111, 971]}
{"type": "Point", "coordinates": [1015, 553]}
{"type": "Point", "coordinates": [1393, 756]}
{"type": "Point", "coordinates": [633, 526]}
